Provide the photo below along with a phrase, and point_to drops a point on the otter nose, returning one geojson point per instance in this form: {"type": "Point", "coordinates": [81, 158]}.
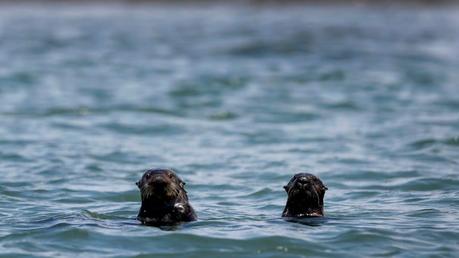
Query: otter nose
{"type": "Point", "coordinates": [303, 180]}
{"type": "Point", "coordinates": [158, 181]}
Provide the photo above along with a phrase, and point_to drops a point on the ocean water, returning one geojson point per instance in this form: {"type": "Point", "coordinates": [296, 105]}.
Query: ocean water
{"type": "Point", "coordinates": [237, 100]}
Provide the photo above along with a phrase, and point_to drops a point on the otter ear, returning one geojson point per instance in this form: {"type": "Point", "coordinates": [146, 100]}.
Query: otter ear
{"type": "Point", "coordinates": [286, 188]}
{"type": "Point", "coordinates": [180, 182]}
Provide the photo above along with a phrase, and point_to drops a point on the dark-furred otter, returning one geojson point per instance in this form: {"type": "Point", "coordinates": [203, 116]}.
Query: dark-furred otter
{"type": "Point", "coordinates": [164, 199]}
{"type": "Point", "coordinates": [305, 196]}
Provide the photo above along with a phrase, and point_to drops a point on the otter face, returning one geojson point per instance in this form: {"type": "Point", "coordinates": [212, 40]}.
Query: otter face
{"type": "Point", "coordinates": [160, 184]}
{"type": "Point", "coordinates": [305, 196]}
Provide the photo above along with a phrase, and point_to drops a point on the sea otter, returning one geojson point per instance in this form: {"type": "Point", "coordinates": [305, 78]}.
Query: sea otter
{"type": "Point", "coordinates": [305, 196]}
{"type": "Point", "coordinates": [164, 199]}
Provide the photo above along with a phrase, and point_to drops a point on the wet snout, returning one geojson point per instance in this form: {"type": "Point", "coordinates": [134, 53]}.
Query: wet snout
{"type": "Point", "coordinates": [303, 183]}
{"type": "Point", "coordinates": [158, 181]}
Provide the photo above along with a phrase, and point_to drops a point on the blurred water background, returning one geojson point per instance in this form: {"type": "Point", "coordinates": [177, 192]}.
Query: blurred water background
{"type": "Point", "coordinates": [237, 99]}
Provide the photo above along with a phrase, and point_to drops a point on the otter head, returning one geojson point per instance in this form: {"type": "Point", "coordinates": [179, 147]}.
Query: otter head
{"type": "Point", "coordinates": [305, 196]}
{"type": "Point", "coordinates": [161, 185]}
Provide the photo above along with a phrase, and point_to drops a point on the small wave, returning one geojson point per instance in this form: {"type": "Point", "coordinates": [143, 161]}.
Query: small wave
{"type": "Point", "coordinates": [223, 116]}
{"type": "Point", "coordinates": [430, 184]}
{"type": "Point", "coordinates": [429, 142]}
{"type": "Point", "coordinates": [144, 129]}
{"type": "Point", "coordinates": [101, 216]}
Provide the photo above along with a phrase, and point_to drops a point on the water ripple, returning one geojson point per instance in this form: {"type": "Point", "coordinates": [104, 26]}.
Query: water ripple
{"type": "Point", "coordinates": [236, 99]}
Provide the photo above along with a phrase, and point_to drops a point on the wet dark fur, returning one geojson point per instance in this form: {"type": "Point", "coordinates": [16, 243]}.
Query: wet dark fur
{"type": "Point", "coordinates": [305, 196]}
{"type": "Point", "coordinates": [164, 199]}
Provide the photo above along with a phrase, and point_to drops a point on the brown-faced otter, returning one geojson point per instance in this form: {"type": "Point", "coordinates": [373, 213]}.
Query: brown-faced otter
{"type": "Point", "coordinates": [164, 199]}
{"type": "Point", "coordinates": [305, 196]}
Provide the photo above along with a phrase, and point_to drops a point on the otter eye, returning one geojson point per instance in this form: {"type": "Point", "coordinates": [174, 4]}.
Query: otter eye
{"type": "Point", "coordinates": [147, 176]}
{"type": "Point", "coordinates": [170, 175]}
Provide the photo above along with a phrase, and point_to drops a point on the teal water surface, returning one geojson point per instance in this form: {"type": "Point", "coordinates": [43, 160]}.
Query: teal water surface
{"type": "Point", "coordinates": [237, 100]}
